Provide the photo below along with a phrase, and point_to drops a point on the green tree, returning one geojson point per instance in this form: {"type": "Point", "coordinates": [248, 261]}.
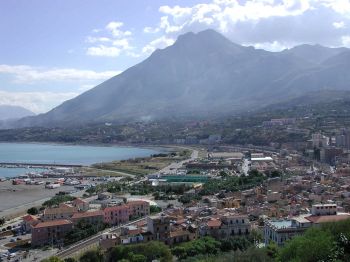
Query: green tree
{"type": "Point", "coordinates": [315, 245]}
{"type": "Point", "coordinates": [53, 259]}
{"type": "Point", "coordinates": [92, 256]}
{"type": "Point", "coordinates": [2, 221]}
{"type": "Point", "coordinates": [33, 211]}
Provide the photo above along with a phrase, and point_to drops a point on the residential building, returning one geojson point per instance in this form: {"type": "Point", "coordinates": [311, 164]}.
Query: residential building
{"type": "Point", "coordinates": [226, 226]}
{"type": "Point", "coordinates": [138, 208]}
{"type": "Point", "coordinates": [116, 215]}
{"type": "Point", "coordinates": [28, 221]}
{"type": "Point", "coordinates": [63, 211]}
{"type": "Point", "coordinates": [50, 232]}
{"type": "Point", "coordinates": [93, 217]}
{"type": "Point", "coordinates": [81, 205]}
{"type": "Point", "coordinates": [159, 227]}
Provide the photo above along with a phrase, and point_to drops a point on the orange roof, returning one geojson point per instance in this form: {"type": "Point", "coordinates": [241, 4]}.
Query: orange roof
{"type": "Point", "coordinates": [327, 219]}
{"type": "Point", "coordinates": [29, 218]}
{"type": "Point", "coordinates": [88, 214]}
{"type": "Point", "coordinates": [53, 223]}
{"type": "Point", "coordinates": [214, 223]}
{"type": "Point", "coordinates": [115, 208]}
{"type": "Point", "coordinates": [79, 201]}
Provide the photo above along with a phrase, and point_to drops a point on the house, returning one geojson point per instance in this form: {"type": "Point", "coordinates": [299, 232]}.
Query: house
{"type": "Point", "coordinates": [63, 211]}
{"type": "Point", "coordinates": [80, 204]}
{"type": "Point", "coordinates": [28, 221]}
{"type": "Point", "coordinates": [138, 208]}
{"type": "Point", "coordinates": [50, 232]}
{"type": "Point", "coordinates": [93, 217]}
{"type": "Point", "coordinates": [281, 230]}
{"type": "Point", "coordinates": [116, 215]}
{"type": "Point", "coordinates": [159, 227]}
{"type": "Point", "coordinates": [226, 225]}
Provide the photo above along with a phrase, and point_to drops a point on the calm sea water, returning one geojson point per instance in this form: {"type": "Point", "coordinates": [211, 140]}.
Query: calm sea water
{"type": "Point", "coordinates": [63, 154]}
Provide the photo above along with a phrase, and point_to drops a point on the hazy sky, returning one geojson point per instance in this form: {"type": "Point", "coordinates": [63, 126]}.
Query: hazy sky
{"type": "Point", "coordinates": [53, 50]}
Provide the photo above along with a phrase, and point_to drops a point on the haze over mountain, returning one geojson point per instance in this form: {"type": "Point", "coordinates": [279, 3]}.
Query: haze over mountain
{"type": "Point", "coordinates": [8, 112]}
{"type": "Point", "coordinates": [205, 74]}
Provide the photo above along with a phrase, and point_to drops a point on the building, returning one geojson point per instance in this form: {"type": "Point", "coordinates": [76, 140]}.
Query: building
{"type": "Point", "coordinates": [28, 221]}
{"type": "Point", "coordinates": [318, 140]}
{"type": "Point", "coordinates": [63, 211]}
{"type": "Point", "coordinates": [81, 205]}
{"type": "Point", "coordinates": [116, 215]}
{"type": "Point", "coordinates": [50, 232]}
{"type": "Point", "coordinates": [226, 226]}
{"type": "Point", "coordinates": [159, 227]}
{"type": "Point", "coordinates": [93, 217]}
{"type": "Point", "coordinates": [281, 230]}
{"type": "Point", "coordinates": [138, 208]}
{"type": "Point", "coordinates": [329, 154]}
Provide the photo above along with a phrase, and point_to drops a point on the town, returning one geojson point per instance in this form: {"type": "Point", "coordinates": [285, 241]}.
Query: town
{"type": "Point", "coordinates": [262, 194]}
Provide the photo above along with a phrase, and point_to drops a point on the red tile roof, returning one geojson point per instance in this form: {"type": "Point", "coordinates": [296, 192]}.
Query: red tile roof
{"type": "Point", "coordinates": [115, 208]}
{"type": "Point", "coordinates": [214, 223]}
{"type": "Point", "coordinates": [29, 218]}
{"type": "Point", "coordinates": [79, 201]}
{"type": "Point", "coordinates": [88, 214]}
{"type": "Point", "coordinates": [53, 223]}
{"type": "Point", "coordinates": [326, 219]}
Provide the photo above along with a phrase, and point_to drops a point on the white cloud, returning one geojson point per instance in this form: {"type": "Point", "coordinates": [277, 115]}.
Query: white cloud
{"type": "Point", "coordinates": [29, 74]}
{"type": "Point", "coordinates": [271, 24]}
{"type": "Point", "coordinates": [38, 102]}
{"type": "Point", "coordinates": [150, 30]}
{"type": "Point", "coordinates": [112, 43]}
{"type": "Point", "coordinates": [274, 46]}
{"type": "Point", "coordinates": [161, 42]}
{"type": "Point", "coordinates": [339, 25]}
{"type": "Point", "coordinates": [115, 29]}
{"type": "Point", "coordinates": [346, 41]}
{"type": "Point", "coordinates": [102, 50]}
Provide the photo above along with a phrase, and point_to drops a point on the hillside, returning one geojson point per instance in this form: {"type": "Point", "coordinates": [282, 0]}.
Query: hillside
{"type": "Point", "coordinates": [13, 112]}
{"type": "Point", "coordinates": [204, 74]}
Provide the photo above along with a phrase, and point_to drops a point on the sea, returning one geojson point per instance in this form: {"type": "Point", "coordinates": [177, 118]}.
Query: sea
{"type": "Point", "coordinates": [37, 153]}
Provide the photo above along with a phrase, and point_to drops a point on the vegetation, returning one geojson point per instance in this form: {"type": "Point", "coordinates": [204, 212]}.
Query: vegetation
{"type": "Point", "coordinates": [233, 183]}
{"type": "Point", "coordinates": [2, 221]}
{"type": "Point", "coordinates": [206, 245]}
{"type": "Point", "coordinates": [56, 200]}
{"type": "Point", "coordinates": [155, 209]}
{"type": "Point", "coordinates": [83, 230]}
{"type": "Point", "coordinates": [330, 242]}
{"type": "Point", "coordinates": [140, 252]}
{"type": "Point", "coordinates": [33, 211]}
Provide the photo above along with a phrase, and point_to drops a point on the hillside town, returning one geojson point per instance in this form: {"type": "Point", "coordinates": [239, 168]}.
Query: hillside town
{"type": "Point", "coordinates": [218, 191]}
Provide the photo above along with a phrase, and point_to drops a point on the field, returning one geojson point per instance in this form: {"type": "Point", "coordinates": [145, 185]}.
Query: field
{"type": "Point", "coordinates": [144, 166]}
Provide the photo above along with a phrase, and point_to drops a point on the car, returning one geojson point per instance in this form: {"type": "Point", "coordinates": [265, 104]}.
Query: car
{"type": "Point", "coordinates": [18, 238]}
{"type": "Point", "coordinates": [12, 240]}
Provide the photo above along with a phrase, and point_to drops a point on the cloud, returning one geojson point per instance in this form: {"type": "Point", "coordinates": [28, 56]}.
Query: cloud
{"type": "Point", "coordinates": [157, 43]}
{"type": "Point", "coordinates": [270, 24]}
{"type": "Point", "coordinates": [102, 50]}
{"type": "Point", "coordinates": [115, 29]}
{"type": "Point", "coordinates": [339, 25]}
{"type": "Point", "coordinates": [29, 74]}
{"type": "Point", "coordinates": [112, 41]}
{"type": "Point", "coordinates": [38, 102]}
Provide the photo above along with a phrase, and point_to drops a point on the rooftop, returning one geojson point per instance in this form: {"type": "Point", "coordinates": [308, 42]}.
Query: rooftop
{"type": "Point", "coordinates": [53, 223]}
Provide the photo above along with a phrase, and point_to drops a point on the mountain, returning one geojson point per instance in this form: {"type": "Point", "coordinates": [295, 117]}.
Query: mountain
{"type": "Point", "coordinates": [13, 112]}
{"type": "Point", "coordinates": [204, 74]}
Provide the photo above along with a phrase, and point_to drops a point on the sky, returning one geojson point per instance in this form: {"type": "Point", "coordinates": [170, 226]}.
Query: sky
{"type": "Point", "coordinates": [54, 50]}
